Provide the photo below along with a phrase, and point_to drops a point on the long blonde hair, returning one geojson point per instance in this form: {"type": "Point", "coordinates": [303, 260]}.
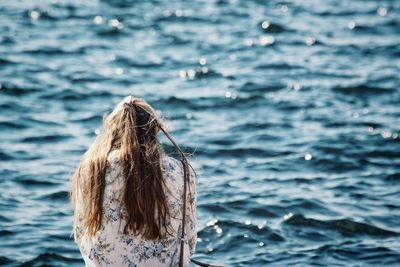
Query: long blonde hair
{"type": "Point", "coordinates": [131, 128]}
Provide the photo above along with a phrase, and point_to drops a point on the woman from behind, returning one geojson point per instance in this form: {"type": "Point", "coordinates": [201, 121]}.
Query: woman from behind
{"type": "Point", "coordinates": [130, 198]}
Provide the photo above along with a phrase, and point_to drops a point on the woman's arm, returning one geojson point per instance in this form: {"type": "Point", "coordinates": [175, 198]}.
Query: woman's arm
{"type": "Point", "coordinates": [191, 211]}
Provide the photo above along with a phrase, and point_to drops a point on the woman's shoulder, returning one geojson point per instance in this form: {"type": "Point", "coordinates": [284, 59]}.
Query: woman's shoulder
{"type": "Point", "coordinates": [168, 163]}
{"type": "Point", "coordinates": [171, 165]}
{"type": "Point", "coordinates": [173, 168]}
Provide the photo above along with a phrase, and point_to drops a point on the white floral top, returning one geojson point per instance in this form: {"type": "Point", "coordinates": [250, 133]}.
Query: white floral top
{"type": "Point", "coordinates": [111, 247]}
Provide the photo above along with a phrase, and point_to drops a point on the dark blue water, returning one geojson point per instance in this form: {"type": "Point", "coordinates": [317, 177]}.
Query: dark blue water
{"type": "Point", "coordinates": [291, 109]}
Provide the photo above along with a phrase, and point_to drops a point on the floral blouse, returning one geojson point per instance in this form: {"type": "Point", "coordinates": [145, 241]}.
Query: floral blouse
{"type": "Point", "coordinates": [111, 247]}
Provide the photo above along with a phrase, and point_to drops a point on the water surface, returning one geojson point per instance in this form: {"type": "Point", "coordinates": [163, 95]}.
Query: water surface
{"type": "Point", "coordinates": [291, 109]}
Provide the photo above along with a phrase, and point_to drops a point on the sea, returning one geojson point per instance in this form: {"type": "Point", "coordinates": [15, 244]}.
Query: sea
{"type": "Point", "coordinates": [290, 111]}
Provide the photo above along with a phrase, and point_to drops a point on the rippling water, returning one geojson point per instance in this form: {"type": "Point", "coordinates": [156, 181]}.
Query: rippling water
{"type": "Point", "coordinates": [290, 107]}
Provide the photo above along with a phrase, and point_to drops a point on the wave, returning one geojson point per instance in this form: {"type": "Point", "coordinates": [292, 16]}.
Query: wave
{"type": "Point", "coordinates": [74, 95]}
{"type": "Point", "coordinates": [394, 177]}
{"type": "Point", "coordinates": [56, 196]}
{"type": "Point", "coordinates": [27, 180]}
{"type": "Point", "coordinates": [4, 233]}
{"type": "Point", "coordinates": [344, 226]}
{"type": "Point", "coordinates": [371, 255]}
{"type": "Point", "coordinates": [5, 219]}
{"type": "Point", "coordinates": [50, 138]}
{"type": "Point", "coordinates": [261, 88]}
{"type": "Point", "coordinates": [5, 260]}
{"type": "Point", "coordinates": [129, 62]}
{"type": "Point", "coordinates": [271, 27]}
{"type": "Point", "coordinates": [13, 90]}
{"type": "Point", "coordinates": [246, 208]}
{"type": "Point", "coordinates": [362, 89]}
{"type": "Point", "coordinates": [5, 156]}
{"type": "Point", "coordinates": [51, 259]}
{"type": "Point", "coordinates": [12, 125]}
{"type": "Point", "coordinates": [3, 62]}
{"type": "Point", "coordinates": [236, 229]}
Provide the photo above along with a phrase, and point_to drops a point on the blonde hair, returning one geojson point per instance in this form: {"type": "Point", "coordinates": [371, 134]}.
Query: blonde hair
{"type": "Point", "coordinates": [131, 128]}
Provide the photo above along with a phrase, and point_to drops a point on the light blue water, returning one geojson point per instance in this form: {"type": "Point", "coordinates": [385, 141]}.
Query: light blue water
{"type": "Point", "coordinates": [290, 107]}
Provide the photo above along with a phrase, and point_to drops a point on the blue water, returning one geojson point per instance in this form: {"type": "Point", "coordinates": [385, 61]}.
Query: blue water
{"type": "Point", "coordinates": [291, 109]}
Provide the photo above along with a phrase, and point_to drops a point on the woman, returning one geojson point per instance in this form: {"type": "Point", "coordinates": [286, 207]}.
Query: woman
{"type": "Point", "coordinates": [129, 197]}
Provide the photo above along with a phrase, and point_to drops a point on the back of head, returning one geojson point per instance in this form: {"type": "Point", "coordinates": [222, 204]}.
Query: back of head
{"type": "Point", "coordinates": [131, 128]}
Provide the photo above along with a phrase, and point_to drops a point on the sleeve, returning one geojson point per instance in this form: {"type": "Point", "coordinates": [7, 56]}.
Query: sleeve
{"type": "Point", "coordinates": [191, 213]}
{"type": "Point", "coordinates": [174, 171]}
{"type": "Point", "coordinates": [78, 226]}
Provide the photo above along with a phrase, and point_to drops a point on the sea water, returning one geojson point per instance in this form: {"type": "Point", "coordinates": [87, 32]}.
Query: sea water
{"type": "Point", "coordinates": [290, 109]}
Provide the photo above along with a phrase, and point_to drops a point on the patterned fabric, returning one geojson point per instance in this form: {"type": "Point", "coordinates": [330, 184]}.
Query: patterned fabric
{"type": "Point", "coordinates": [111, 247]}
